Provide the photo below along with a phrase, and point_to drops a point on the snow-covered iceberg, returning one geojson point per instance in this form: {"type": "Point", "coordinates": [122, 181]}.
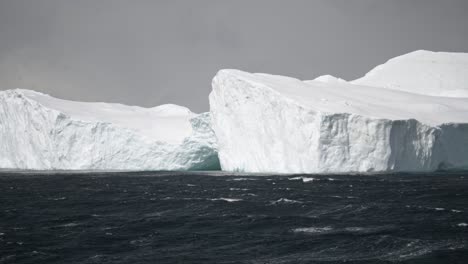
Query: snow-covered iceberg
{"type": "Point", "coordinates": [268, 123]}
{"type": "Point", "coordinates": [38, 131]}
{"type": "Point", "coordinates": [409, 114]}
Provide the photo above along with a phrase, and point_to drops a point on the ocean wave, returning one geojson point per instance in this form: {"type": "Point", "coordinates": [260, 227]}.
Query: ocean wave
{"type": "Point", "coordinates": [286, 201]}
{"type": "Point", "coordinates": [304, 179]}
{"type": "Point", "coordinates": [313, 230]}
{"type": "Point", "coordinates": [242, 179]}
{"type": "Point", "coordinates": [343, 230]}
{"type": "Point", "coordinates": [69, 225]}
{"type": "Point", "coordinates": [238, 189]}
{"type": "Point", "coordinates": [57, 199]}
{"type": "Point", "coordinates": [229, 200]}
{"type": "Point", "coordinates": [341, 197]}
{"type": "Point", "coordinates": [435, 208]}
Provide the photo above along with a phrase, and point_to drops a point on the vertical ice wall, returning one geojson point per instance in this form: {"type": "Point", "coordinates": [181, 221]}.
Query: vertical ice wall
{"type": "Point", "coordinates": [267, 123]}
{"type": "Point", "coordinates": [37, 133]}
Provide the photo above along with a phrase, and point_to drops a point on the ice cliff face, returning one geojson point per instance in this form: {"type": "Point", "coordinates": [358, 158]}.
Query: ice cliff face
{"type": "Point", "coordinates": [41, 132]}
{"type": "Point", "coordinates": [267, 123]}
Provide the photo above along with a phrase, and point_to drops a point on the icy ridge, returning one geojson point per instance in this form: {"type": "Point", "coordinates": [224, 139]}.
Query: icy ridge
{"type": "Point", "coordinates": [273, 124]}
{"type": "Point", "coordinates": [424, 72]}
{"type": "Point", "coordinates": [33, 136]}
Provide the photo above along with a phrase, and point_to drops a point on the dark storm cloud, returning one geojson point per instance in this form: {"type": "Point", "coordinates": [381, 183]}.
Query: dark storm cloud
{"type": "Point", "coordinates": [153, 52]}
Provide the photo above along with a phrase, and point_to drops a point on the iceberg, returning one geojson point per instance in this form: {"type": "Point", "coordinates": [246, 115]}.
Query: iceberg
{"type": "Point", "coordinates": [382, 122]}
{"type": "Point", "coordinates": [408, 114]}
{"type": "Point", "coordinates": [41, 132]}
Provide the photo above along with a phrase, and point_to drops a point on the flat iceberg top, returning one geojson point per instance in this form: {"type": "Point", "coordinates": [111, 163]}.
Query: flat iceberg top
{"type": "Point", "coordinates": [423, 72]}
{"type": "Point", "coordinates": [169, 123]}
{"type": "Point", "coordinates": [344, 97]}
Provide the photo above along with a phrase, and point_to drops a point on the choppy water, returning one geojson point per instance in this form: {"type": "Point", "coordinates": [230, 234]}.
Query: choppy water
{"type": "Point", "coordinates": [193, 218]}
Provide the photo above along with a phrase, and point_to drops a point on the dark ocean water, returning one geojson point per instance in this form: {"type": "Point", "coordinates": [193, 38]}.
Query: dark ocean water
{"type": "Point", "coordinates": [194, 218]}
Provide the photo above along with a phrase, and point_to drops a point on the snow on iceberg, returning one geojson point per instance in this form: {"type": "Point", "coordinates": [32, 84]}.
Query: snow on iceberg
{"type": "Point", "coordinates": [423, 72]}
{"type": "Point", "coordinates": [38, 131]}
{"type": "Point", "coordinates": [327, 79]}
{"type": "Point", "coordinates": [268, 123]}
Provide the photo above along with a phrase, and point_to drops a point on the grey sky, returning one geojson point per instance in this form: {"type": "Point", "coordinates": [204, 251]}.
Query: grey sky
{"type": "Point", "coordinates": [153, 52]}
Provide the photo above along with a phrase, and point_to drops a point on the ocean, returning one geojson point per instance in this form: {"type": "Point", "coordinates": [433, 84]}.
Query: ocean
{"type": "Point", "coordinates": [171, 217]}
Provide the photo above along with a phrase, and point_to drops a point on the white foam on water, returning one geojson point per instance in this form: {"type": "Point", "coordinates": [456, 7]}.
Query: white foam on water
{"type": "Point", "coordinates": [229, 200]}
{"type": "Point", "coordinates": [313, 229]}
{"type": "Point", "coordinates": [286, 201]}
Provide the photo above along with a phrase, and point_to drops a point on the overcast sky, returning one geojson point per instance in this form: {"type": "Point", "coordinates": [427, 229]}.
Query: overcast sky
{"type": "Point", "coordinates": [147, 53]}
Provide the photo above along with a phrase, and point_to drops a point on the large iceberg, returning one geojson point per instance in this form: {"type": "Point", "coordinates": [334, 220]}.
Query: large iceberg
{"type": "Point", "coordinates": [382, 122]}
{"type": "Point", "coordinates": [409, 114]}
{"type": "Point", "coordinates": [40, 132]}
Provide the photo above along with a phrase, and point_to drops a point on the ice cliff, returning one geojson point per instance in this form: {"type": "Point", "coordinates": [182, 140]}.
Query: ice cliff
{"type": "Point", "coordinates": [381, 122]}
{"type": "Point", "coordinates": [38, 131]}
